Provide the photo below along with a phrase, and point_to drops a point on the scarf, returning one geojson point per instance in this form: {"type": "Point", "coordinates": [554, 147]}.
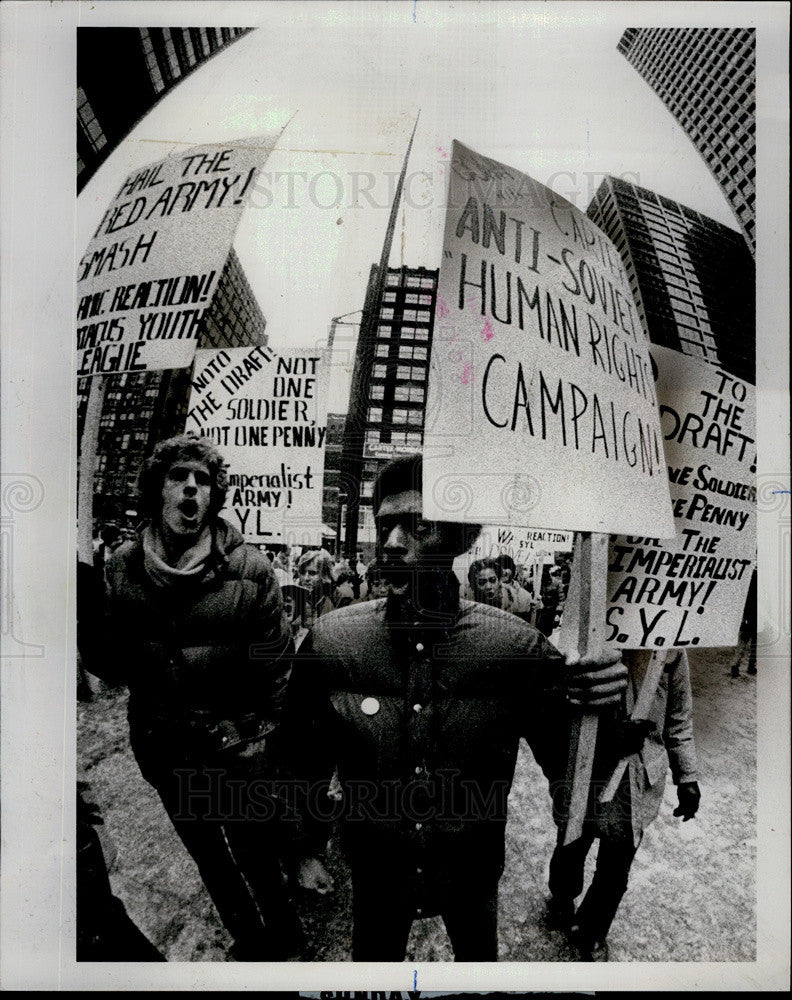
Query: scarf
{"type": "Point", "coordinates": [192, 564]}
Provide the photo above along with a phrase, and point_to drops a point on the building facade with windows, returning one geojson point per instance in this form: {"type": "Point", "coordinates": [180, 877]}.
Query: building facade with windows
{"type": "Point", "coordinates": [706, 77]}
{"type": "Point", "coordinates": [332, 490]}
{"type": "Point", "coordinates": [142, 408]}
{"type": "Point", "coordinates": [396, 398]}
{"type": "Point", "coordinates": [693, 280]}
{"type": "Point", "coordinates": [123, 72]}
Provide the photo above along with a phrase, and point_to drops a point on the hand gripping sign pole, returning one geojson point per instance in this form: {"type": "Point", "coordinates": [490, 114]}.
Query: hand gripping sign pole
{"type": "Point", "coordinates": [584, 634]}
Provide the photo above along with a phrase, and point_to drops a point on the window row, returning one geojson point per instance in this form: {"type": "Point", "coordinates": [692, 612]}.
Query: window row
{"type": "Point", "coordinates": [402, 372]}
{"type": "Point", "coordinates": [407, 352]}
{"type": "Point", "coordinates": [406, 332]}
{"type": "Point", "coordinates": [411, 281]}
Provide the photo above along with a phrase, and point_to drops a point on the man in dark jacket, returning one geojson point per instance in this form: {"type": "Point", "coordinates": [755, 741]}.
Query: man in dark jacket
{"type": "Point", "coordinates": [420, 700]}
{"type": "Point", "coordinates": [194, 625]}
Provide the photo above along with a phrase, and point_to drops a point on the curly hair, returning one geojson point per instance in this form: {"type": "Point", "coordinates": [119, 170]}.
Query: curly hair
{"type": "Point", "coordinates": [480, 564]}
{"type": "Point", "coordinates": [182, 447]}
{"type": "Point", "coordinates": [505, 561]}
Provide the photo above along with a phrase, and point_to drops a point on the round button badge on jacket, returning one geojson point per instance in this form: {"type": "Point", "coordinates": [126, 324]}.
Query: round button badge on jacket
{"type": "Point", "coordinates": [369, 706]}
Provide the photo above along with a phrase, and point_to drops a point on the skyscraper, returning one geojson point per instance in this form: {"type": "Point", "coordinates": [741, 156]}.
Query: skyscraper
{"type": "Point", "coordinates": [396, 401]}
{"type": "Point", "coordinates": [143, 408]}
{"type": "Point", "coordinates": [332, 492]}
{"type": "Point", "coordinates": [693, 280]}
{"type": "Point", "coordinates": [706, 77]}
{"type": "Point", "coordinates": [123, 72]}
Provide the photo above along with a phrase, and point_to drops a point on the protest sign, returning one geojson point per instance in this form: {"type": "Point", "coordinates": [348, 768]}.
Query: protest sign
{"type": "Point", "coordinates": [691, 590]}
{"type": "Point", "coordinates": [267, 412]}
{"type": "Point", "coordinates": [521, 544]}
{"type": "Point", "coordinates": [541, 405]}
{"type": "Point", "coordinates": [531, 548]}
{"type": "Point", "coordinates": [153, 265]}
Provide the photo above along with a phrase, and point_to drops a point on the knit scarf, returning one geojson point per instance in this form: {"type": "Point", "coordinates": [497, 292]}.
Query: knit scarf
{"type": "Point", "coordinates": [192, 563]}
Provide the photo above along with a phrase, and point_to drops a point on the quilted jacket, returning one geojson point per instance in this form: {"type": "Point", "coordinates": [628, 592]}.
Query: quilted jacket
{"type": "Point", "coordinates": [423, 725]}
{"type": "Point", "coordinates": [206, 662]}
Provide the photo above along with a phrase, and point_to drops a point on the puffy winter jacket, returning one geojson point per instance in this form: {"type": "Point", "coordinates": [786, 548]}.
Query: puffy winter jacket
{"type": "Point", "coordinates": [206, 662]}
{"type": "Point", "coordinates": [423, 725]}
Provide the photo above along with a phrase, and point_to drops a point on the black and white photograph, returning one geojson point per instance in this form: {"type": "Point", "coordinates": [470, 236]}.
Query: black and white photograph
{"type": "Point", "coordinates": [396, 514]}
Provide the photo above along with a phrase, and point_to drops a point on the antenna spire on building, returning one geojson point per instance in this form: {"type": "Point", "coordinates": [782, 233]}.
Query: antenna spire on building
{"type": "Point", "coordinates": [354, 432]}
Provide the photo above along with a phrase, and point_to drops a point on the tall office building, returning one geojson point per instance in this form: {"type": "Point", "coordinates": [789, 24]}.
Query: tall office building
{"type": "Point", "coordinates": [143, 408]}
{"type": "Point", "coordinates": [706, 77]}
{"type": "Point", "coordinates": [332, 491]}
{"type": "Point", "coordinates": [123, 72]}
{"type": "Point", "coordinates": [693, 280]}
{"type": "Point", "coordinates": [395, 406]}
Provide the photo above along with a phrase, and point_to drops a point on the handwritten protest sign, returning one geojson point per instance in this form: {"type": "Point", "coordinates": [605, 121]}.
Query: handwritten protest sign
{"type": "Point", "coordinates": [267, 412]}
{"type": "Point", "coordinates": [691, 591]}
{"type": "Point", "coordinates": [152, 267]}
{"type": "Point", "coordinates": [541, 405]}
{"type": "Point", "coordinates": [532, 548]}
{"type": "Point", "coordinates": [519, 543]}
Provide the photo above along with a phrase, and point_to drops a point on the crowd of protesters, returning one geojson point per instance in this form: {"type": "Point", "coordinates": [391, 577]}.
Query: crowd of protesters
{"type": "Point", "coordinates": [313, 583]}
{"type": "Point", "coordinates": [259, 680]}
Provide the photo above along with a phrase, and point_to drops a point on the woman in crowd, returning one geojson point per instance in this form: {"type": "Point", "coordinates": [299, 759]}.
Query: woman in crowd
{"type": "Point", "coordinates": [315, 573]}
{"type": "Point", "coordinates": [346, 585]}
{"type": "Point", "coordinates": [485, 581]}
{"type": "Point", "coordinates": [377, 585]}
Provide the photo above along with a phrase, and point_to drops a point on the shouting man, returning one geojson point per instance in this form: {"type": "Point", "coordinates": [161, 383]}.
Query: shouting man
{"type": "Point", "coordinates": [194, 625]}
{"type": "Point", "coordinates": [420, 699]}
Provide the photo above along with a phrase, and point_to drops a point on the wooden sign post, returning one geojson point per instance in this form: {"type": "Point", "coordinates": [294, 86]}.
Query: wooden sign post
{"type": "Point", "coordinates": [584, 634]}
{"type": "Point", "coordinates": [88, 451]}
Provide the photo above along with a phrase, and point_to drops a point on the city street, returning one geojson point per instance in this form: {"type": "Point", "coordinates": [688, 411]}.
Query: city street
{"type": "Point", "coordinates": [692, 888]}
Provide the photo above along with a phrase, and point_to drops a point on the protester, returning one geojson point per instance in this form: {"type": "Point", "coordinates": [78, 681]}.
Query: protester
{"type": "Point", "coordinates": [508, 570]}
{"type": "Point", "coordinates": [666, 737]}
{"type": "Point", "coordinates": [194, 625]}
{"type": "Point", "coordinates": [376, 582]}
{"type": "Point", "coordinates": [487, 586]}
{"type": "Point", "coordinates": [315, 573]}
{"type": "Point", "coordinates": [282, 563]}
{"type": "Point", "coordinates": [510, 577]}
{"type": "Point", "coordinates": [552, 594]}
{"type": "Point", "coordinates": [345, 584]}
{"type": "Point", "coordinates": [295, 604]}
{"type": "Point", "coordinates": [420, 700]}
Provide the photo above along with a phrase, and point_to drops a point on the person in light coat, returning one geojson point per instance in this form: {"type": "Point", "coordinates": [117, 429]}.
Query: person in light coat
{"type": "Point", "coordinates": [663, 741]}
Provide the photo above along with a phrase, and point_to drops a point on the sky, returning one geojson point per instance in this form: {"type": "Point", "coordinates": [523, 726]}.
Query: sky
{"type": "Point", "coordinates": [540, 87]}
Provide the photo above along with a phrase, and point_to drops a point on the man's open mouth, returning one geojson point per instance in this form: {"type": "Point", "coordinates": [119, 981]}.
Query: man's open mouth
{"type": "Point", "coordinates": [188, 509]}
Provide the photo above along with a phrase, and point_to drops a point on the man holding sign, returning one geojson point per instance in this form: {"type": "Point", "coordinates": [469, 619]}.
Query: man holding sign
{"type": "Point", "coordinates": [420, 700]}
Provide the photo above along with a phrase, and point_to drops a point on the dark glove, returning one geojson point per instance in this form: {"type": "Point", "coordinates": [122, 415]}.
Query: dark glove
{"type": "Point", "coordinates": [629, 735]}
{"type": "Point", "coordinates": [689, 797]}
